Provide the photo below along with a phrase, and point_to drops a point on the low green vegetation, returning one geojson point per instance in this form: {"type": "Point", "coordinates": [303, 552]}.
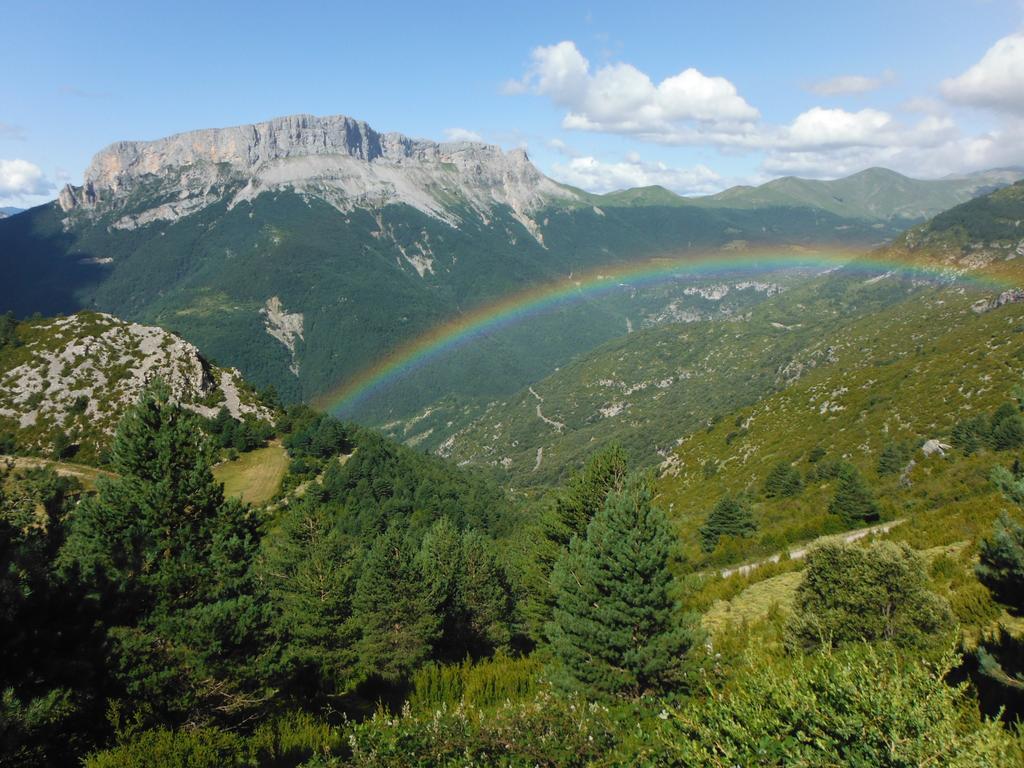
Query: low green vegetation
{"type": "Point", "coordinates": [254, 477]}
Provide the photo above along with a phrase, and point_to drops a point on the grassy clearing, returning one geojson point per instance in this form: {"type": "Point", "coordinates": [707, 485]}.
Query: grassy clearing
{"type": "Point", "coordinates": [85, 474]}
{"type": "Point", "coordinates": [756, 603]}
{"type": "Point", "coordinates": [255, 476]}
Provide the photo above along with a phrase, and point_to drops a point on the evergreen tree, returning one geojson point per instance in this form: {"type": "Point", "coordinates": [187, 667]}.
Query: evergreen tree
{"type": "Point", "coordinates": [569, 515]}
{"type": "Point", "coordinates": [893, 458]}
{"type": "Point", "coordinates": [783, 480]}
{"type": "Point", "coordinates": [1001, 562]}
{"type": "Point", "coordinates": [615, 630]}
{"type": "Point", "coordinates": [486, 596]}
{"type": "Point", "coordinates": [853, 500]}
{"type": "Point", "coordinates": [169, 562]}
{"type": "Point", "coordinates": [469, 590]}
{"type": "Point", "coordinates": [1001, 569]}
{"type": "Point", "coordinates": [393, 609]}
{"type": "Point", "coordinates": [440, 561]}
{"type": "Point", "coordinates": [1008, 433]}
{"type": "Point", "coordinates": [309, 571]}
{"type": "Point", "coordinates": [731, 516]}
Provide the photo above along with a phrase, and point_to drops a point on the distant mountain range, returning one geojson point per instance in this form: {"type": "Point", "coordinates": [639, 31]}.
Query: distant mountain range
{"type": "Point", "coordinates": [8, 211]}
{"type": "Point", "coordinates": [303, 249]}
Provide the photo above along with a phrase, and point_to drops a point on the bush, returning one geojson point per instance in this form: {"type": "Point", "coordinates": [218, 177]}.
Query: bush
{"type": "Point", "coordinates": [499, 679]}
{"type": "Point", "coordinates": [546, 731]}
{"type": "Point", "coordinates": [860, 708]}
{"type": "Point", "coordinates": [851, 594]}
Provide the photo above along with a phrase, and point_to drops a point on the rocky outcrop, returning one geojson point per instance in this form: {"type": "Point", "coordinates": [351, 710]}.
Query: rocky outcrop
{"type": "Point", "coordinates": [1013, 296]}
{"type": "Point", "coordinates": [286, 327]}
{"type": "Point", "coordinates": [338, 159]}
{"type": "Point", "coordinates": [82, 372]}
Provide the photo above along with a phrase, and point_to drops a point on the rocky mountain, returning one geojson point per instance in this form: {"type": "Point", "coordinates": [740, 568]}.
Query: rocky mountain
{"type": "Point", "coordinates": [9, 211]}
{"type": "Point", "coordinates": [304, 249]}
{"type": "Point", "coordinates": [75, 375]}
{"type": "Point", "coordinates": [341, 161]}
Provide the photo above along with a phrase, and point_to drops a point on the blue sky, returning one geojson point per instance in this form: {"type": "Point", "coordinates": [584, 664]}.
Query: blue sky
{"type": "Point", "coordinates": [693, 95]}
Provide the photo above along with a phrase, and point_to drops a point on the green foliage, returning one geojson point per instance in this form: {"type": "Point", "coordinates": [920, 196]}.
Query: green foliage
{"type": "Point", "coordinates": [169, 562]}
{"type": "Point", "coordinates": [783, 481]}
{"type": "Point", "coordinates": [731, 516]}
{"type": "Point", "coordinates": [480, 684]}
{"type": "Point", "coordinates": [1001, 562]}
{"type": "Point", "coordinates": [568, 516]}
{"type": "Point", "coordinates": [384, 482]}
{"type": "Point", "coordinates": [48, 647]}
{"type": "Point", "coordinates": [853, 500]}
{"type": "Point", "coordinates": [894, 457]}
{"type": "Point", "coordinates": [851, 594]}
{"type": "Point", "coordinates": [8, 330]}
{"type": "Point", "coordinates": [544, 732]}
{"type": "Point", "coordinates": [616, 630]}
{"type": "Point", "coordinates": [309, 571]}
{"type": "Point", "coordinates": [859, 708]}
{"type": "Point", "coordinates": [284, 742]}
{"type": "Point", "coordinates": [394, 612]}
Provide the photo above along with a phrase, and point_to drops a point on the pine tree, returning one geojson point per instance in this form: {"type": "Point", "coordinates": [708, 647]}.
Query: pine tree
{"type": "Point", "coordinates": [569, 515]}
{"type": "Point", "coordinates": [309, 570]}
{"type": "Point", "coordinates": [730, 517]}
{"type": "Point", "coordinates": [169, 561]}
{"type": "Point", "coordinates": [615, 630]}
{"type": "Point", "coordinates": [853, 500]}
{"type": "Point", "coordinates": [486, 596]}
{"type": "Point", "coordinates": [393, 609]}
{"type": "Point", "coordinates": [783, 480]}
{"type": "Point", "coordinates": [1001, 562]}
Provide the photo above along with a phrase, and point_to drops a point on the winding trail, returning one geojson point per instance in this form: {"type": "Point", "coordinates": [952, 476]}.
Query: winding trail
{"type": "Point", "coordinates": [801, 552]}
{"type": "Point", "coordinates": [559, 426]}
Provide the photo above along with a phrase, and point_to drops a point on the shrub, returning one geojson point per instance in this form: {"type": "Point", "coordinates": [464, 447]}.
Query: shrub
{"type": "Point", "coordinates": [851, 594]}
{"type": "Point", "coordinates": [783, 480]}
{"type": "Point", "coordinates": [860, 708]}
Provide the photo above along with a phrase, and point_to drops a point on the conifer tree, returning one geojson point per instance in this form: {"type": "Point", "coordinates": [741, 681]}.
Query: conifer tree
{"type": "Point", "coordinates": [1001, 562]}
{"type": "Point", "coordinates": [393, 609]}
{"type": "Point", "coordinates": [569, 515]}
{"type": "Point", "coordinates": [615, 630]}
{"type": "Point", "coordinates": [486, 596]}
{"type": "Point", "coordinates": [309, 570]}
{"type": "Point", "coordinates": [730, 517]}
{"type": "Point", "coordinates": [783, 480]}
{"type": "Point", "coordinates": [169, 562]}
{"type": "Point", "coordinates": [853, 500]}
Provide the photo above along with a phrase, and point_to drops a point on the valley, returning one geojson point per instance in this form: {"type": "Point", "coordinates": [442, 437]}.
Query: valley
{"type": "Point", "coordinates": [325, 447]}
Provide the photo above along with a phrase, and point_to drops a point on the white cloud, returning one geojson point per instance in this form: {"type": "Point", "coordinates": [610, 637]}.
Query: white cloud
{"type": "Point", "coordinates": [846, 84]}
{"type": "Point", "coordinates": [619, 98]}
{"type": "Point", "coordinates": [598, 176]}
{"type": "Point", "coordinates": [462, 134]}
{"type": "Point", "coordinates": [20, 178]}
{"type": "Point", "coordinates": [995, 82]}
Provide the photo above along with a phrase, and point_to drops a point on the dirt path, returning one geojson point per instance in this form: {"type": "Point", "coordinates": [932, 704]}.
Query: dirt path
{"type": "Point", "coordinates": [801, 552]}
{"type": "Point", "coordinates": [82, 472]}
{"type": "Point", "coordinates": [559, 426]}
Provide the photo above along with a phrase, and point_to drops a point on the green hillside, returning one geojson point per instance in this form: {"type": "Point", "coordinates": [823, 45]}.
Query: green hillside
{"type": "Point", "coordinates": [872, 194]}
{"type": "Point", "coordinates": [651, 388]}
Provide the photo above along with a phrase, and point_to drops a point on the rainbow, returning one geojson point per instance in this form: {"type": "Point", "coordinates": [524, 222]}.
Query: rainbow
{"type": "Point", "coordinates": [447, 337]}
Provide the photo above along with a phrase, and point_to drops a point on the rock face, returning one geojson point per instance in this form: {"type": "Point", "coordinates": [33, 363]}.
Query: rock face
{"type": "Point", "coordinates": [337, 159]}
{"type": "Point", "coordinates": [79, 373]}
